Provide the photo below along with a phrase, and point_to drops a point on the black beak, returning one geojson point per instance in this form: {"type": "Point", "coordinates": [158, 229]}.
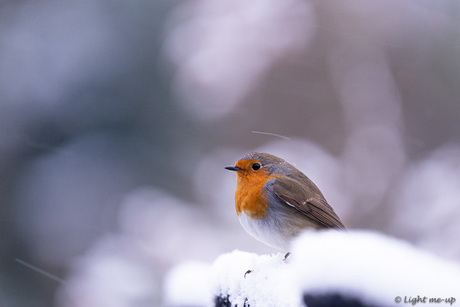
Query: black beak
{"type": "Point", "coordinates": [233, 168]}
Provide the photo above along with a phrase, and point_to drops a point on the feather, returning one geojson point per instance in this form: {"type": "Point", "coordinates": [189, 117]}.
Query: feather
{"type": "Point", "coordinates": [307, 199]}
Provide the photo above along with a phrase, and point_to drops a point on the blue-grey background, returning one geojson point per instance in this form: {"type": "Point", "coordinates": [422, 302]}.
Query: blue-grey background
{"type": "Point", "coordinates": [117, 118]}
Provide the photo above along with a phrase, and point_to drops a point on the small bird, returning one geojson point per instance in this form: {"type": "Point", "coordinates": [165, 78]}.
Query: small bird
{"type": "Point", "coordinates": [274, 201]}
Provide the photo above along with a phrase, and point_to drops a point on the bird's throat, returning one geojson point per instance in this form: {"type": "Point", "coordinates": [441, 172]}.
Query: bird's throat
{"type": "Point", "coordinates": [250, 196]}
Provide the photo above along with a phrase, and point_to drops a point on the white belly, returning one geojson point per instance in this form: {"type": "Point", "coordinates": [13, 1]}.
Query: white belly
{"type": "Point", "coordinates": [264, 231]}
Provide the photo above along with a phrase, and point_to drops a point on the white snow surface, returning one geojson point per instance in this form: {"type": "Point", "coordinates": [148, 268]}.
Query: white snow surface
{"type": "Point", "coordinates": [187, 284]}
{"type": "Point", "coordinates": [360, 264]}
{"type": "Point", "coordinates": [371, 265]}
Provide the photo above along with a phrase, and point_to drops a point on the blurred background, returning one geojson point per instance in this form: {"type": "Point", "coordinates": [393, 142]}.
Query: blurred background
{"type": "Point", "coordinates": [117, 118]}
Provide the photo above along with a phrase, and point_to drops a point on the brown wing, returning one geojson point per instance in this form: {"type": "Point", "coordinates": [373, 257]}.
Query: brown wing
{"type": "Point", "coordinates": [304, 199]}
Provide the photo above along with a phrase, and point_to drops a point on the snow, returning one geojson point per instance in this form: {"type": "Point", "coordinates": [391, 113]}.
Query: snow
{"type": "Point", "coordinates": [187, 284]}
{"type": "Point", "coordinates": [108, 276]}
{"type": "Point", "coordinates": [358, 264]}
{"type": "Point", "coordinates": [267, 285]}
{"type": "Point", "coordinates": [371, 265]}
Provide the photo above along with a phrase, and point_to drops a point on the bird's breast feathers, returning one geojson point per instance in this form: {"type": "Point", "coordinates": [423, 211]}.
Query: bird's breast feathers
{"type": "Point", "coordinates": [263, 231]}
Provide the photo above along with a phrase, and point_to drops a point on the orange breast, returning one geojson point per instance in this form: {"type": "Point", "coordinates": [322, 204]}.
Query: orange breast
{"type": "Point", "coordinates": [249, 196]}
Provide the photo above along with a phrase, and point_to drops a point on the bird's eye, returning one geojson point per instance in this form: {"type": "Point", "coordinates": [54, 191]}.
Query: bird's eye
{"type": "Point", "coordinates": [256, 166]}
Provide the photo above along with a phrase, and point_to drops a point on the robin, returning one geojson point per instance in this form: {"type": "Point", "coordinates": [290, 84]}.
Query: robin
{"type": "Point", "coordinates": [274, 201]}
